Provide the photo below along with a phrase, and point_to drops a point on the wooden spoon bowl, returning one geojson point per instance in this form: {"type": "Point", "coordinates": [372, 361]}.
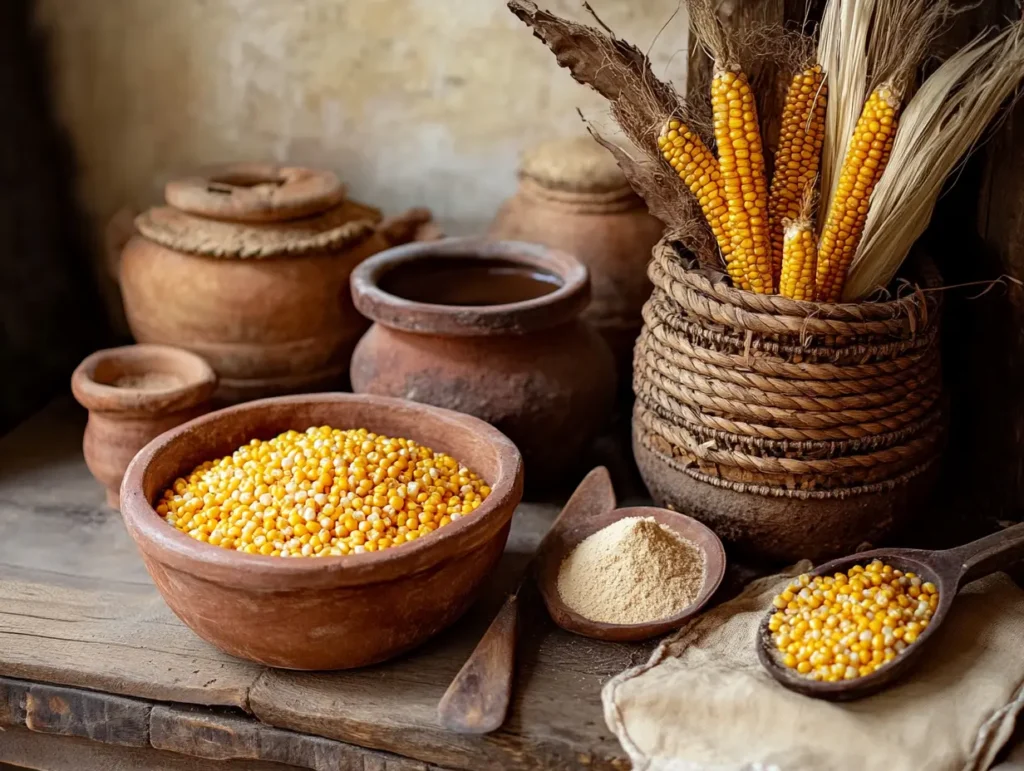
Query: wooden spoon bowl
{"type": "Point", "coordinates": [949, 570]}
{"type": "Point", "coordinates": [569, 534]}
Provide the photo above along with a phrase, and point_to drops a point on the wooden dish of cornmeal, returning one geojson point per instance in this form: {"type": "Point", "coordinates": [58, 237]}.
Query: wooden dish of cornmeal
{"type": "Point", "coordinates": [571, 534]}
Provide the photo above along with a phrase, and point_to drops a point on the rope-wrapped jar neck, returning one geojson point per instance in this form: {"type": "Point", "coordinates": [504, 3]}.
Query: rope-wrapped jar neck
{"type": "Point", "coordinates": [577, 174]}
{"type": "Point", "coordinates": [253, 211]}
{"type": "Point", "coordinates": [580, 201]}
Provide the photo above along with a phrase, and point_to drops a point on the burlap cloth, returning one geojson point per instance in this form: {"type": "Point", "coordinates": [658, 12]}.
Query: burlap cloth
{"type": "Point", "coordinates": [703, 701]}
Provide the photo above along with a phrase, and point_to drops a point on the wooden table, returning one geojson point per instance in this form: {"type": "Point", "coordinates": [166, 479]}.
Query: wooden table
{"type": "Point", "coordinates": [97, 673]}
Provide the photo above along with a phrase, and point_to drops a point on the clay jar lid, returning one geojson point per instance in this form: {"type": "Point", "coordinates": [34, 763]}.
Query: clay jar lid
{"type": "Point", "coordinates": [414, 263]}
{"type": "Point", "coordinates": [253, 210]}
{"type": "Point", "coordinates": [576, 170]}
{"type": "Point", "coordinates": [142, 380]}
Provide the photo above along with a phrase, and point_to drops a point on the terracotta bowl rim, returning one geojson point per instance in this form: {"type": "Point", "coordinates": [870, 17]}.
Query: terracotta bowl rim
{"type": "Point", "coordinates": [558, 307]}
{"type": "Point", "coordinates": [200, 380]}
{"type": "Point", "coordinates": [170, 547]}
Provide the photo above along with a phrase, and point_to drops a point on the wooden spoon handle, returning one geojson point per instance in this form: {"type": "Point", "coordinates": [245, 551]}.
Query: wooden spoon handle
{"type": "Point", "coordinates": [593, 496]}
{"type": "Point", "coordinates": [989, 554]}
{"type": "Point", "coordinates": [477, 699]}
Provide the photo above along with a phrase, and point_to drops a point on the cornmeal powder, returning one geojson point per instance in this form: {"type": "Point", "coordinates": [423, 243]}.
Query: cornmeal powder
{"type": "Point", "coordinates": [632, 572]}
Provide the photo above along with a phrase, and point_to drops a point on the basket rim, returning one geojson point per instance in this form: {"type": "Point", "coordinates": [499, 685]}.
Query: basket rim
{"type": "Point", "coordinates": [909, 306]}
{"type": "Point", "coordinates": [663, 311]}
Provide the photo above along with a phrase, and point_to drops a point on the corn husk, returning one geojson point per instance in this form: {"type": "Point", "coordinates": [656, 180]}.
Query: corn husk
{"type": "Point", "coordinates": [843, 54]}
{"type": "Point", "coordinates": [940, 126]}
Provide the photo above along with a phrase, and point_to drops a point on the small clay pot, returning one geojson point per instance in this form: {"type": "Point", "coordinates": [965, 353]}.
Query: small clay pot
{"type": "Point", "coordinates": [134, 394]}
{"type": "Point", "coordinates": [324, 612]}
{"type": "Point", "coordinates": [491, 329]}
{"type": "Point", "coordinates": [572, 196]}
{"type": "Point", "coordinates": [248, 266]}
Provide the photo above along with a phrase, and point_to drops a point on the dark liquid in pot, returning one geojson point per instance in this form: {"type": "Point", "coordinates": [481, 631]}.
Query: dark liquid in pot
{"type": "Point", "coordinates": [467, 281]}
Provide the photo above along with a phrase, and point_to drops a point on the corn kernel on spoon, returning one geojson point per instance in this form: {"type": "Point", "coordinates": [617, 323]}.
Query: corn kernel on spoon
{"type": "Point", "coordinates": [948, 570]}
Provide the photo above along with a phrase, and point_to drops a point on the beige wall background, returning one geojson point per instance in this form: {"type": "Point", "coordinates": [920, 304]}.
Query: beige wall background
{"type": "Point", "coordinates": [413, 102]}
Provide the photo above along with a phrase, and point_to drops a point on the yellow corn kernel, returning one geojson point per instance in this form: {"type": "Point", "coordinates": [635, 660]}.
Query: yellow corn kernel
{"type": "Point", "coordinates": [866, 158]}
{"type": "Point", "coordinates": [799, 258]}
{"type": "Point", "coordinates": [695, 164]}
{"type": "Point", "coordinates": [744, 187]}
{"type": "Point", "coordinates": [797, 158]}
{"type": "Point", "coordinates": [319, 493]}
{"type": "Point", "coordinates": [865, 632]}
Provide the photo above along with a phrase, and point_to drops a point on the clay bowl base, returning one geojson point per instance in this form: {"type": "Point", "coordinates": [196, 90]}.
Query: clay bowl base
{"type": "Point", "coordinates": [779, 529]}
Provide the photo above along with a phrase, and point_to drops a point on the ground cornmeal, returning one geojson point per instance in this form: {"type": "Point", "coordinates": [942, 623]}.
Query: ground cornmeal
{"type": "Point", "coordinates": [322, 492]}
{"type": "Point", "coordinates": [633, 571]}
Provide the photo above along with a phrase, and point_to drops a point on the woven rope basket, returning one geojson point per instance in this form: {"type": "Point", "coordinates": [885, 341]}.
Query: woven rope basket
{"type": "Point", "coordinates": [784, 407]}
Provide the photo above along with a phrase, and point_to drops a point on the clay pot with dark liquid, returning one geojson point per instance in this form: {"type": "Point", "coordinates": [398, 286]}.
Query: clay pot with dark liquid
{"type": "Point", "coordinates": [492, 329]}
{"type": "Point", "coordinates": [248, 266]}
{"type": "Point", "coordinates": [572, 196]}
{"type": "Point", "coordinates": [134, 394]}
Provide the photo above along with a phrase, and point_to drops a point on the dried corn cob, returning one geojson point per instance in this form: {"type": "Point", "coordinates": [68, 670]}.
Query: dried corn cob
{"type": "Point", "coordinates": [799, 258]}
{"type": "Point", "coordinates": [798, 155]}
{"type": "Point", "coordinates": [741, 159]}
{"type": "Point", "coordinates": [691, 159]}
{"type": "Point", "coordinates": [863, 165]}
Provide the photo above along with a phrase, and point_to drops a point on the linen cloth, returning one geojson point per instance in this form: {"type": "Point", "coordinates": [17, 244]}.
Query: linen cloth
{"type": "Point", "coordinates": [704, 703]}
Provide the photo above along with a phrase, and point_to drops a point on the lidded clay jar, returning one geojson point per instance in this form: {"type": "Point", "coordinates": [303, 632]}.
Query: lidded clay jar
{"type": "Point", "coordinates": [248, 266]}
{"type": "Point", "coordinates": [573, 196]}
{"type": "Point", "coordinates": [492, 329]}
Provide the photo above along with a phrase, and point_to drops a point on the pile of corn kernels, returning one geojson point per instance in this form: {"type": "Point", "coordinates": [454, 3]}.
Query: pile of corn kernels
{"type": "Point", "coordinates": [322, 492]}
{"type": "Point", "coordinates": [845, 626]}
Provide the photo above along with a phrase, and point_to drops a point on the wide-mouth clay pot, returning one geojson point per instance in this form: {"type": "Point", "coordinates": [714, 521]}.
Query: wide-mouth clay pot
{"type": "Point", "coordinates": [248, 266]}
{"type": "Point", "coordinates": [326, 612]}
{"type": "Point", "coordinates": [492, 329]}
{"type": "Point", "coordinates": [573, 196]}
{"type": "Point", "coordinates": [133, 394]}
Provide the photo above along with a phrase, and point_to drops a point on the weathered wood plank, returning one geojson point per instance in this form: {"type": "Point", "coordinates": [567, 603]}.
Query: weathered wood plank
{"type": "Point", "coordinates": [123, 640]}
{"type": "Point", "coordinates": [203, 733]}
{"type": "Point", "coordinates": [52, 512]}
{"type": "Point", "coordinates": [76, 604]}
{"type": "Point", "coordinates": [393, 706]}
{"type": "Point", "coordinates": [77, 608]}
{"type": "Point", "coordinates": [54, 709]}
{"type": "Point", "coordinates": [25, 749]}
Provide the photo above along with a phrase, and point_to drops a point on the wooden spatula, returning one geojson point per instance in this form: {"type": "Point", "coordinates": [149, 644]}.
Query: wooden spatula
{"type": "Point", "coordinates": [477, 699]}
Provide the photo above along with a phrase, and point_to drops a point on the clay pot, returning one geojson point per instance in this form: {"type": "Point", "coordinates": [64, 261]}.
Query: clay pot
{"type": "Point", "coordinates": [327, 612]}
{"type": "Point", "coordinates": [248, 267]}
{"type": "Point", "coordinates": [491, 329]}
{"type": "Point", "coordinates": [134, 394]}
{"type": "Point", "coordinates": [572, 196]}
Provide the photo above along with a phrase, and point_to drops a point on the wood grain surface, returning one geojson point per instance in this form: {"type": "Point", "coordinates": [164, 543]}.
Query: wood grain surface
{"type": "Point", "coordinates": [77, 609]}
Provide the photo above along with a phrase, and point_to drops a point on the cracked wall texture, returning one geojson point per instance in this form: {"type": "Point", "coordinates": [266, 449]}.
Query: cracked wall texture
{"type": "Point", "coordinates": [413, 102]}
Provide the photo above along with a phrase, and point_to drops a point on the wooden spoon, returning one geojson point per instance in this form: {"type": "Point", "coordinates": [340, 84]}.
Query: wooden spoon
{"type": "Point", "coordinates": [948, 570]}
{"type": "Point", "coordinates": [477, 699]}
{"type": "Point", "coordinates": [572, 533]}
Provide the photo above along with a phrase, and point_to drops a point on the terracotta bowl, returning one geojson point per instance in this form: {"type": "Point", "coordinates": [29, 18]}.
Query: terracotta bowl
{"type": "Point", "coordinates": [133, 394]}
{"type": "Point", "coordinates": [328, 612]}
